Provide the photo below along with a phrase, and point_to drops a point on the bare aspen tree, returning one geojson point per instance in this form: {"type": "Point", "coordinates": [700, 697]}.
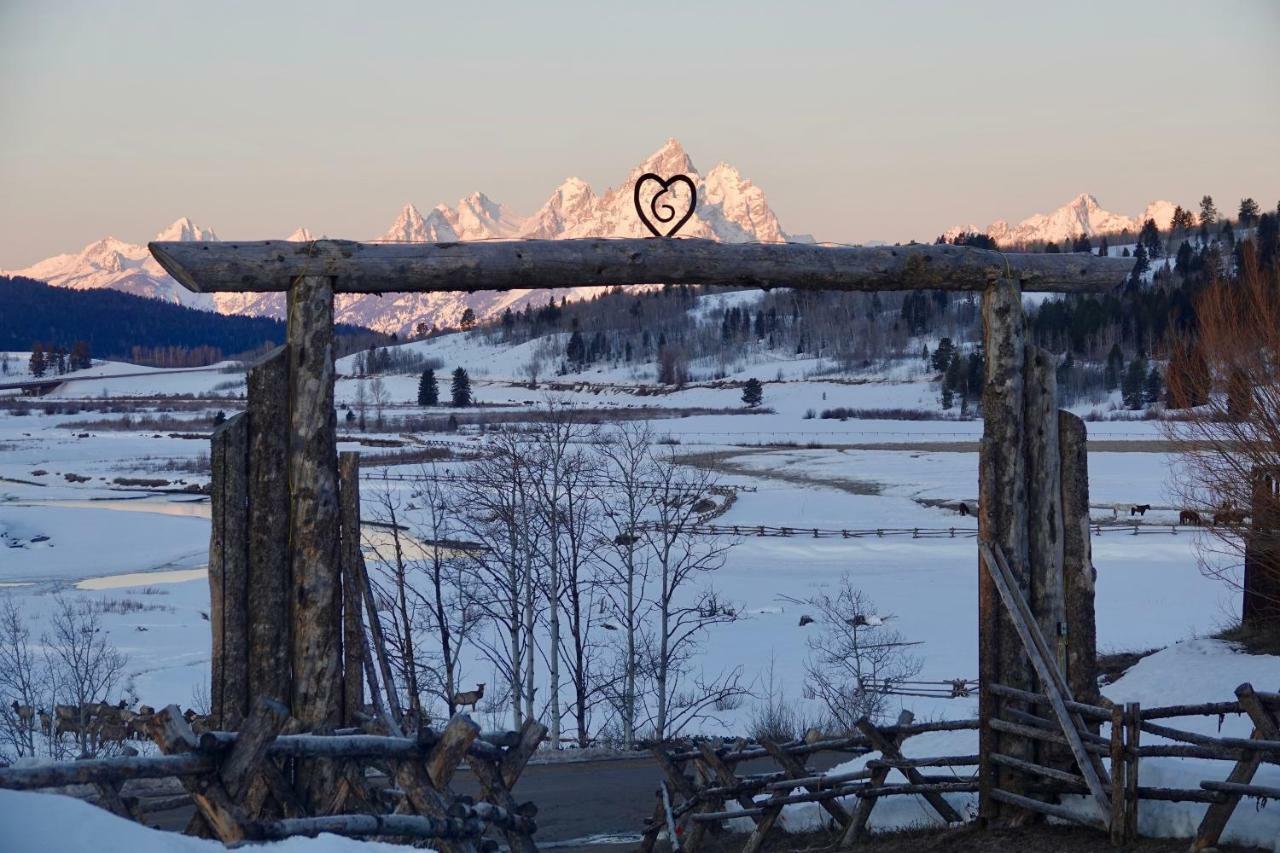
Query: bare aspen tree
{"type": "Point", "coordinates": [378, 390]}
{"type": "Point", "coordinates": [390, 583]}
{"type": "Point", "coordinates": [681, 612]}
{"type": "Point", "coordinates": [628, 465]}
{"type": "Point", "coordinates": [86, 665]}
{"type": "Point", "coordinates": [24, 681]}
{"type": "Point", "coordinates": [499, 518]}
{"type": "Point", "coordinates": [362, 405]}
{"type": "Point", "coordinates": [856, 658]}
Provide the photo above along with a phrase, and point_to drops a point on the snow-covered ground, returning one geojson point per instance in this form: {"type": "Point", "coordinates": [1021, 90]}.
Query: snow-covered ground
{"type": "Point", "coordinates": [83, 536]}
{"type": "Point", "coordinates": [49, 823]}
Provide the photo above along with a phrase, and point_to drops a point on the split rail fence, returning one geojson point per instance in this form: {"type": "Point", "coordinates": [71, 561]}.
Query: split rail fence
{"type": "Point", "coordinates": [255, 784]}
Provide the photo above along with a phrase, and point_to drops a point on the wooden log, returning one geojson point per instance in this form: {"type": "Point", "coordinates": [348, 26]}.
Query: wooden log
{"type": "Point", "coordinates": [890, 750]}
{"type": "Point", "coordinates": [228, 571]}
{"type": "Point", "coordinates": [271, 265]}
{"type": "Point", "coordinates": [1050, 809]}
{"type": "Point", "coordinates": [1196, 710]}
{"type": "Point", "coordinates": [532, 733]}
{"type": "Point", "coordinates": [314, 520]}
{"type": "Point", "coordinates": [857, 825]}
{"type": "Point", "coordinates": [1238, 789]}
{"type": "Point", "coordinates": [496, 792]}
{"type": "Point", "coordinates": [1038, 769]}
{"type": "Point", "coordinates": [411, 777]}
{"type": "Point", "coordinates": [1002, 519]}
{"type": "Point", "coordinates": [1118, 766]}
{"type": "Point", "coordinates": [270, 581]}
{"type": "Point", "coordinates": [796, 771]}
{"type": "Point", "coordinates": [172, 734]}
{"type": "Point", "coordinates": [1077, 560]}
{"type": "Point", "coordinates": [1032, 698]}
{"type": "Point", "coordinates": [359, 825]}
{"type": "Point", "coordinates": [1045, 735]}
{"type": "Point", "coordinates": [1132, 736]}
{"type": "Point", "coordinates": [1044, 501]}
{"type": "Point", "coordinates": [851, 744]}
{"type": "Point", "coordinates": [353, 639]}
{"type": "Point", "coordinates": [448, 751]}
{"type": "Point", "coordinates": [1051, 679]}
{"type": "Point", "coordinates": [109, 770]}
{"type": "Point", "coordinates": [1265, 728]}
{"type": "Point", "coordinates": [246, 758]}
{"type": "Point", "coordinates": [109, 798]}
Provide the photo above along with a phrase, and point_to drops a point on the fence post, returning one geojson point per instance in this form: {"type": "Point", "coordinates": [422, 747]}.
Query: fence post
{"type": "Point", "coordinates": [1002, 520]}
{"type": "Point", "coordinates": [228, 572]}
{"type": "Point", "coordinates": [1077, 564]}
{"type": "Point", "coordinates": [1133, 736]}
{"type": "Point", "coordinates": [314, 518]}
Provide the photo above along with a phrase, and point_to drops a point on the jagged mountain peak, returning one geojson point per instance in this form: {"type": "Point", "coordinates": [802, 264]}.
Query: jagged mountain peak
{"type": "Point", "coordinates": [1081, 216]}
{"type": "Point", "coordinates": [184, 230]}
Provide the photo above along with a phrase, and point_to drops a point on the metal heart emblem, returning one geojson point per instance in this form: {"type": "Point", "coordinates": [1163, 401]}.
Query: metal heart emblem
{"type": "Point", "coordinates": [664, 213]}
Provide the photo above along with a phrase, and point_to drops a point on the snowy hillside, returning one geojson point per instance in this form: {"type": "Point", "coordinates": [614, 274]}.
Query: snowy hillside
{"type": "Point", "coordinates": [730, 208]}
{"type": "Point", "coordinates": [1080, 216]}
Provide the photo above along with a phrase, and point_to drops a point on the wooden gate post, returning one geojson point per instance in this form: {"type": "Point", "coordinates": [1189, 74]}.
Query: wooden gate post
{"type": "Point", "coordinates": [228, 572]}
{"type": "Point", "coordinates": [314, 518]}
{"type": "Point", "coordinates": [1077, 564]}
{"type": "Point", "coordinates": [270, 584]}
{"type": "Point", "coordinates": [1002, 519]}
{"type": "Point", "coordinates": [1044, 500]}
{"type": "Point", "coordinates": [1261, 606]}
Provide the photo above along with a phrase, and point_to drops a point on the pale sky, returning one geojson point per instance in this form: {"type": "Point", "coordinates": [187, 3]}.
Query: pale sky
{"type": "Point", "coordinates": [860, 121]}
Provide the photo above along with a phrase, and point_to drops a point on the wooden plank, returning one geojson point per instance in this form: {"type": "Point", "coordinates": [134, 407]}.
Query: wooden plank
{"type": "Point", "coordinates": [1071, 728]}
{"type": "Point", "coordinates": [361, 825]}
{"type": "Point", "coordinates": [1032, 698]}
{"type": "Point", "coordinates": [1077, 560]}
{"type": "Point", "coordinates": [270, 582]}
{"type": "Point", "coordinates": [1265, 728]}
{"type": "Point", "coordinates": [353, 638]}
{"type": "Point", "coordinates": [862, 811]}
{"type": "Point", "coordinates": [1002, 518]}
{"type": "Point", "coordinates": [890, 750]}
{"type": "Point", "coordinates": [313, 521]}
{"type": "Point", "coordinates": [270, 265]}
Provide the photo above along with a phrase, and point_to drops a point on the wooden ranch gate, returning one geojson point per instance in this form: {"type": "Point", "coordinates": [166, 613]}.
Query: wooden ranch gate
{"type": "Point", "coordinates": [285, 566]}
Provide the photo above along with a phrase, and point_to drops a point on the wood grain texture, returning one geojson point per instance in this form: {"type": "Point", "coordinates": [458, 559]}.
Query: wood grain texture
{"type": "Point", "coordinates": [1077, 560]}
{"type": "Point", "coordinates": [313, 523]}
{"type": "Point", "coordinates": [229, 571]}
{"type": "Point", "coordinates": [270, 582]}
{"type": "Point", "coordinates": [353, 638]}
{"type": "Point", "coordinates": [518, 264]}
{"type": "Point", "coordinates": [1002, 519]}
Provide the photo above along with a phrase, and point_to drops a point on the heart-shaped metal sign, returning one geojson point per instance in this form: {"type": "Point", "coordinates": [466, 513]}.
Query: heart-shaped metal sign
{"type": "Point", "coordinates": [665, 213]}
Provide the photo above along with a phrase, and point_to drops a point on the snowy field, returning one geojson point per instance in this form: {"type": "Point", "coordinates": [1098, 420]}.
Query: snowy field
{"type": "Point", "coordinates": [67, 528]}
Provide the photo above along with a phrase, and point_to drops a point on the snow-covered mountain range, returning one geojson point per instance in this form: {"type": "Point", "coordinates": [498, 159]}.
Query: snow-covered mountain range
{"type": "Point", "coordinates": [1081, 215]}
{"type": "Point", "coordinates": [730, 208]}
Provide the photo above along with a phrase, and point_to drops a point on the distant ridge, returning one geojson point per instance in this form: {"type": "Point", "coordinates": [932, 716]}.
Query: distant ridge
{"type": "Point", "coordinates": [1082, 216]}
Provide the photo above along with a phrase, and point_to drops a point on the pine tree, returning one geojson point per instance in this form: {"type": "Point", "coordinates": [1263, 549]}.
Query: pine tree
{"type": "Point", "coordinates": [468, 319]}
{"type": "Point", "coordinates": [942, 355]}
{"type": "Point", "coordinates": [460, 390]}
{"type": "Point", "coordinates": [37, 363]}
{"type": "Point", "coordinates": [1248, 213]}
{"type": "Point", "coordinates": [1208, 213]}
{"type": "Point", "coordinates": [753, 393]}
{"type": "Point", "coordinates": [1132, 386]}
{"type": "Point", "coordinates": [428, 388]}
{"type": "Point", "coordinates": [1152, 390]}
{"type": "Point", "coordinates": [1115, 364]}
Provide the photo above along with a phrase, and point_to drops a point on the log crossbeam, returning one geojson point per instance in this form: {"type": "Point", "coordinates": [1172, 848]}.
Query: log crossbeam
{"type": "Point", "coordinates": [272, 265]}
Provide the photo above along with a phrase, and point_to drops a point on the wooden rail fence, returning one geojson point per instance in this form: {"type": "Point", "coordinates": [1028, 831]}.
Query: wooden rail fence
{"type": "Point", "coordinates": [252, 785]}
{"type": "Point", "coordinates": [691, 806]}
